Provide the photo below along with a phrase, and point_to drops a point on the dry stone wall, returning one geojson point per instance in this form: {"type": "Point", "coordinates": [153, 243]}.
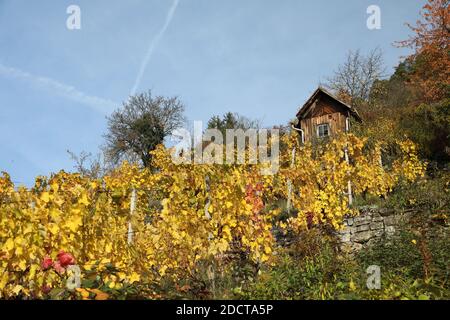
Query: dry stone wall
{"type": "Point", "coordinates": [371, 225]}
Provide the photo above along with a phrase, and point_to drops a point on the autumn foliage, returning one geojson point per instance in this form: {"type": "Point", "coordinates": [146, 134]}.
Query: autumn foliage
{"type": "Point", "coordinates": [184, 215]}
{"type": "Point", "coordinates": [431, 59]}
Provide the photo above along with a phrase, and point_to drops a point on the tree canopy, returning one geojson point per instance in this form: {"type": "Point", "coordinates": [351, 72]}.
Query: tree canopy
{"type": "Point", "coordinates": [140, 125]}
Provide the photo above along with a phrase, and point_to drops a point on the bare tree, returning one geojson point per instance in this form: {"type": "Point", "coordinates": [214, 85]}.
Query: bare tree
{"type": "Point", "coordinates": [88, 166]}
{"type": "Point", "coordinates": [353, 80]}
{"type": "Point", "coordinates": [140, 125]}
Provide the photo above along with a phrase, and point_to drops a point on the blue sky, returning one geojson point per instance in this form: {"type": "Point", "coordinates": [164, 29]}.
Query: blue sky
{"type": "Point", "coordinates": [259, 58]}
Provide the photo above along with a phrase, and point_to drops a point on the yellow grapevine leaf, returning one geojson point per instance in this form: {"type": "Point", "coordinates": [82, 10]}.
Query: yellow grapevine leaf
{"type": "Point", "coordinates": [4, 280]}
{"type": "Point", "coordinates": [45, 196]}
{"type": "Point", "coordinates": [23, 265]}
{"type": "Point", "coordinates": [94, 184]}
{"type": "Point", "coordinates": [19, 251]}
{"type": "Point", "coordinates": [83, 200]}
{"type": "Point", "coordinates": [33, 270]}
{"type": "Point", "coordinates": [9, 245]}
{"type": "Point", "coordinates": [227, 231]}
{"type": "Point", "coordinates": [53, 228]}
{"type": "Point", "coordinates": [101, 295]}
{"type": "Point", "coordinates": [74, 223]}
{"type": "Point", "coordinates": [134, 277]}
{"type": "Point", "coordinates": [55, 186]}
{"type": "Point", "coordinates": [55, 214]}
{"type": "Point", "coordinates": [17, 289]}
{"type": "Point", "coordinates": [84, 293]}
{"type": "Point", "coordinates": [28, 229]}
{"type": "Point", "coordinates": [108, 248]}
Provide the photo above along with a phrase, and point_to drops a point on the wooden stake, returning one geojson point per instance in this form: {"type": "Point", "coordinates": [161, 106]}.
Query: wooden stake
{"type": "Point", "coordinates": [132, 208]}
{"type": "Point", "coordinates": [289, 184]}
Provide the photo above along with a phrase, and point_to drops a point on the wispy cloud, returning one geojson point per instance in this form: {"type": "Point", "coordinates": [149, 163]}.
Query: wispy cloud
{"type": "Point", "coordinates": [153, 44]}
{"type": "Point", "coordinates": [60, 89]}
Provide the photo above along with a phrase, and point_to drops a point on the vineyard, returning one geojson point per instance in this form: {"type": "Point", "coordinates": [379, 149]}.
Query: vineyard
{"type": "Point", "coordinates": [136, 228]}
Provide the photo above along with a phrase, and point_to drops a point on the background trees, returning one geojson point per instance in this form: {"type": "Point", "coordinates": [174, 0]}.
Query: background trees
{"type": "Point", "coordinates": [88, 165]}
{"type": "Point", "coordinates": [414, 101]}
{"type": "Point", "coordinates": [352, 81]}
{"type": "Point", "coordinates": [140, 125]}
{"type": "Point", "coordinates": [232, 121]}
{"type": "Point", "coordinates": [430, 61]}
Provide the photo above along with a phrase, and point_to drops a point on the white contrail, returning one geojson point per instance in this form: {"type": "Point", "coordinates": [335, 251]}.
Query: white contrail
{"type": "Point", "coordinates": [102, 105]}
{"type": "Point", "coordinates": [153, 45]}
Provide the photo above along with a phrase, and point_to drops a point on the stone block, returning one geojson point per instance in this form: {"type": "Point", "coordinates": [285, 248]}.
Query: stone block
{"type": "Point", "coordinates": [362, 220]}
{"type": "Point", "coordinates": [345, 237]}
{"type": "Point", "coordinates": [376, 225]}
{"type": "Point", "coordinates": [384, 212]}
{"type": "Point", "coordinates": [345, 230]}
{"type": "Point", "coordinates": [378, 233]}
{"type": "Point", "coordinates": [362, 237]}
{"type": "Point", "coordinates": [390, 230]}
{"type": "Point", "coordinates": [390, 220]}
{"type": "Point", "coordinates": [377, 218]}
{"type": "Point", "coordinates": [363, 227]}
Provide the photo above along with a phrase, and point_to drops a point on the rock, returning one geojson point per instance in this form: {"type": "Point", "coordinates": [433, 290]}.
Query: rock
{"type": "Point", "coordinates": [363, 227]}
{"type": "Point", "coordinates": [377, 218]}
{"type": "Point", "coordinates": [378, 233]}
{"type": "Point", "coordinates": [362, 220]}
{"type": "Point", "coordinates": [356, 247]}
{"type": "Point", "coordinates": [390, 230]}
{"type": "Point", "coordinates": [376, 225]}
{"type": "Point", "coordinates": [362, 237]}
{"type": "Point", "coordinates": [369, 227]}
{"type": "Point", "coordinates": [371, 208]}
{"type": "Point", "coordinates": [345, 237]}
{"type": "Point", "coordinates": [384, 212]}
{"type": "Point", "coordinates": [390, 220]}
{"type": "Point", "coordinates": [345, 230]}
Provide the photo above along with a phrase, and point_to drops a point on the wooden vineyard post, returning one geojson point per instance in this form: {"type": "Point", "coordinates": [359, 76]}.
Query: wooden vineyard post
{"type": "Point", "coordinates": [208, 202]}
{"type": "Point", "coordinates": [289, 184]}
{"type": "Point", "coordinates": [132, 208]}
{"type": "Point", "coordinates": [210, 272]}
{"type": "Point", "coordinates": [349, 183]}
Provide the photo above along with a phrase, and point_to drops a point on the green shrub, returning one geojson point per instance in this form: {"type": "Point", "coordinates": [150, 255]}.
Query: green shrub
{"type": "Point", "coordinates": [428, 194]}
{"type": "Point", "coordinates": [312, 268]}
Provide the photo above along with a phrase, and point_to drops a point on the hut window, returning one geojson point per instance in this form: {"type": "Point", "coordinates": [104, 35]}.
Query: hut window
{"type": "Point", "coordinates": [323, 130]}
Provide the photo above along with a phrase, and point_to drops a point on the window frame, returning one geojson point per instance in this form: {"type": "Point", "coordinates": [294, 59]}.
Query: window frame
{"type": "Point", "coordinates": [327, 125]}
